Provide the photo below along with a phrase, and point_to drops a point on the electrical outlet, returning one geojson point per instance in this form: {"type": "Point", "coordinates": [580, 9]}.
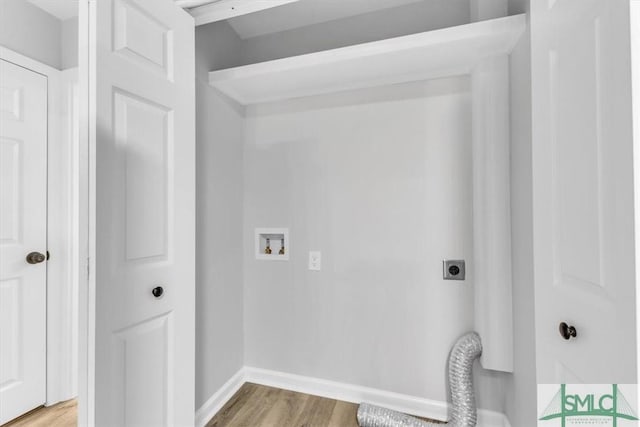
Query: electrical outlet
{"type": "Point", "coordinates": [315, 260]}
{"type": "Point", "coordinates": [453, 269]}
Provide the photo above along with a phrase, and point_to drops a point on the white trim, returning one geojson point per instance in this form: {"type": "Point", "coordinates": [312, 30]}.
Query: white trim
{"type": "Point", "coordinates": [57, 271]}
{"type": "Point", "coordinates": [61, 369]}
{"type": "Point", "coordinates": [63, 219]}
{"type": "Point", "coordinates": [26, 62]}
{"type": "Point", "coordinates": [219, 398]}
{"type": "Point", "coordinates": [635, 84]}
{"type": "Point", "coordinates": [188, 4]}
{"type": "Point", "coordinates": [226, 9]}
{"type": "Point", "coordinates": [434, 409]}
{"type": "Point", "coordinates": [419, 406]}
{"type": "Point", "coordinates": [433, 54]}
{"type": "Point", "coordinates": [86, 297]}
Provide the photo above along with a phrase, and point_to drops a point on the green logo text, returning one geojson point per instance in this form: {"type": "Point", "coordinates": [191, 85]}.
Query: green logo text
{"type": "Point", "coordinates": [565, 405]}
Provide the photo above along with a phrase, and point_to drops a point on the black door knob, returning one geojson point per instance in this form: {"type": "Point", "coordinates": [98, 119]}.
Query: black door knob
{"type": "Point", "coordinates": [566, 331]}
{"type": "Point", "coordinates": [157, 291]}
{"type": "Point", "coordinates": [35, 258]}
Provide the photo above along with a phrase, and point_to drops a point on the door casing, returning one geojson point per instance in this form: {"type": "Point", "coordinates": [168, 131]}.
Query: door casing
{"type": "Point", "coordinates": [635, 82]}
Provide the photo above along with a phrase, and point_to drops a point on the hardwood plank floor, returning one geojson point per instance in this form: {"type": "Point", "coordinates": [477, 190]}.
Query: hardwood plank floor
{"type": "Point", "coordinates": [260, 406]}
{"type": "Point", "coordinates": [63, 414]}
{"type": "Point", "coordinates": [252, 406]}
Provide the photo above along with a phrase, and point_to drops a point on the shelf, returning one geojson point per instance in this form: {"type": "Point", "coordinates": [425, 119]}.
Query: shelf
{"type": "Point", "coordinates": [433, 54]}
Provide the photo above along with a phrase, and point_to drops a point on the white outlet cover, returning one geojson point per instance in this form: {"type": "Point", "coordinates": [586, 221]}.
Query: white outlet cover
{"type": "Point", "coordinates": [315, 260]}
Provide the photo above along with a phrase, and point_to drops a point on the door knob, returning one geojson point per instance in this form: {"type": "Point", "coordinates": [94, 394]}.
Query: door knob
{"type": "Point", "coordinates": [567, 331]}
{"type": "Point", "coordinates": [35, 258]}
{"type": "Point", "coordinates": [157, 291]}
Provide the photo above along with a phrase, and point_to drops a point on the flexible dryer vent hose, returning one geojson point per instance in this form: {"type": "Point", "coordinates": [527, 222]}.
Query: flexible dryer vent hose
{"type": "Point", "coordinates": [464, 412]}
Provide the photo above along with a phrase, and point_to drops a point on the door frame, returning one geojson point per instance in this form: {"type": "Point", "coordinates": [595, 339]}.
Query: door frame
{"type": "Point", "coordinates": [87, 215]}
{"type": "Point", "coordinates": [635, 83]}
{"type": "Point", "coordinates": [60, 360]}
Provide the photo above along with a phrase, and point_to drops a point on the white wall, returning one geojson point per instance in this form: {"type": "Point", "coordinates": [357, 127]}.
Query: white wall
{"type": "Point", "coordinates": [518, 6]}
{"type": "Point", "coordinates": [219, 176]}
{"type": "Point", "coordinates": [316, 323]}
{"type": "Point", "coordinates": [33, 32]}
{"type": "Point", "coordinates": [380, 181]}
{"type": "Point", "coordinates": [394, 22]}
{"type": "Point", "coordinates": [30, 31]}
{"type": "Point", "coordinates": [69, 44]}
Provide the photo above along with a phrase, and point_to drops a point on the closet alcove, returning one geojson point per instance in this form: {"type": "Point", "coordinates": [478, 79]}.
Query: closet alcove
{"type": "Point", "coordinates": [479, 50]}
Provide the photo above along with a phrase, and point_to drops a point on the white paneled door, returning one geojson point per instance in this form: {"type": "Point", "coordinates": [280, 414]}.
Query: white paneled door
{"type": "Point", "coordinates": [23, 230]}
{"type": "Point", "coordinates": [142, 98]}
{"type": "Point", "coordinates": [583, 201]}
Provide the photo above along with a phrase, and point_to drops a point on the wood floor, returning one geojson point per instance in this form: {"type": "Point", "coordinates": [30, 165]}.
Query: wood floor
{"type": "Point", "coordinates": [252, 406]}
{"type": "Point", "coordinates": [260, 406]}
{"type": "Point", "coordinates": [61, 415]}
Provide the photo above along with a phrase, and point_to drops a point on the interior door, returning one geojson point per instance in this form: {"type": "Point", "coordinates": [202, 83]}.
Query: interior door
{"type": "Point", "coordinates": [23, 229]}
{"type": "Point", "coordinates": [583, 192]}
{"type": "Point", "coordinates": [142, 167]}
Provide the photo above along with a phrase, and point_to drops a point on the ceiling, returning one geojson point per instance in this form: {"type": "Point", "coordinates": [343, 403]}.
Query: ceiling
{"type": "Point", "coordinates": [306, 12]}
{"type": "Point", "coordinates": [289, 16]}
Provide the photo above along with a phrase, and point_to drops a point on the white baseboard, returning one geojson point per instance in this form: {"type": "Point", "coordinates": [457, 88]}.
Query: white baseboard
{"type": "Point", "coordinates": [219, 398]}
{"type": "Point", "coordinates": [427, 408]}
{"type": "Point", "coordinates": [349, 393]}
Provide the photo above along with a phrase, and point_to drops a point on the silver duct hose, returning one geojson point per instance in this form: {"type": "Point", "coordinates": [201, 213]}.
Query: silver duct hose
{"type": "Point", "coordinates": [375, 416]}
{"type": "Point", "coordinates": [464, 412]}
